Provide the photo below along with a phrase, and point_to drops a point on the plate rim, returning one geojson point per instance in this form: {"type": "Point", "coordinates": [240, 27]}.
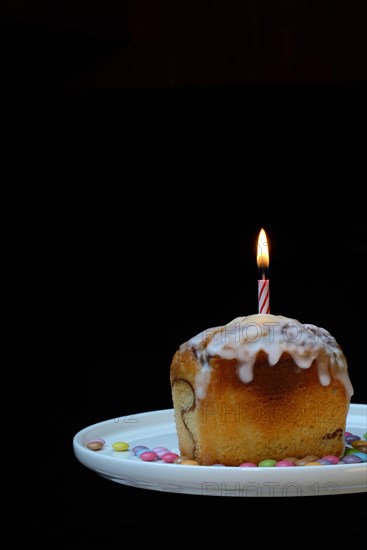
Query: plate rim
{"type": "Point", "coordinates": [129, 469]}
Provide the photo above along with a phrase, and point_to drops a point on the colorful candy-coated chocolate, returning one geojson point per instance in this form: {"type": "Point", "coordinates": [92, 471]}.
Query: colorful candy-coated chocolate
{"type": "Point", "coordinates": [353, 455]}
{"type": "Point", "coordinates": [169, 457]}
{"type": "Point", "coordinates": [140, 451]}
{"type": "Point", "coordinates": [309, 458]}
{"type": "Point", "coordinates": [284, 462]}
{"type": "Point", "coordinates": [148, 456]}
{"type": "Point", "coordinates": [98, 440]}
{"type": "Point", "coordinates": [221, 465]}
{"type": "Point", "coordinates": [325, 462]}
{"type": "Point", "coordinates": [362, 456]}
{"type": "Point", "coordinates": [358, 443]}
{"type": "Point", "coordinates": [332, 458]}
{"type": "Point", "coordinates": [139, 448]}
{"type": "Point", "coordinates": [350, 438]}
{"type": "Point", "coordinates": [180, 459]}
{"type": "Point", "coordinates": [162, 451]}
{"type": "Point", "coordinates": [350, 451]}
{"type": "Point", "coordinates": [95, 445]}
{"type": "Point", "coordinates": [120, 446]}
{"type": "Point", "coordinates": [351, 459]}
{"type": "Point", "coordinates": [267, 462]}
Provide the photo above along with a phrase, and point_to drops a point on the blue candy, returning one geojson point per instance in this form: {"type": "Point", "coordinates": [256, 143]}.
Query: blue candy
{"type": "Point", "coordinates": [362, 456]}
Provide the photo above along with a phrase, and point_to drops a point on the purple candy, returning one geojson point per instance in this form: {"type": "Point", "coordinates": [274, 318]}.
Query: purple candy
{"type": "Point", "coordinates": [351, 459]}
{"type": "Point", "coordinates": [162, 451]}
{"type": "Point", "coordinates": [325, 461]}
{"type": "Point", "coordinates": [351, 438]}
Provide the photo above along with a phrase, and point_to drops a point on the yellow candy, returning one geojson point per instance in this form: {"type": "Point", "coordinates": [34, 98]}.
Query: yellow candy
{"type": "Point", "coordinates": [190, 462]}
{"type": "Point", "coordinates": [120, 446]}
{"type": "Point", "coordinates": [313, 464]}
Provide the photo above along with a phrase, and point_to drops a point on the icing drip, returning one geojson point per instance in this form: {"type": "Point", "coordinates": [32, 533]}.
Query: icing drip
{"type": "Point", "coordinates": [244, 337]}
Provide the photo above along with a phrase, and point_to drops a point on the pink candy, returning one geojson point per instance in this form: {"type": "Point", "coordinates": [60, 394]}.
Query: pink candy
{"type": "Point", "coordinates": [148, 456]}
{"type": "Point", "coordinates": [248, 465]}
{"type": "Point", "coordinates": [169, 457]}
{"type": "Point", "coordinates": [160, 451]}
{"type": "Point", "coordinates": [283, 463]}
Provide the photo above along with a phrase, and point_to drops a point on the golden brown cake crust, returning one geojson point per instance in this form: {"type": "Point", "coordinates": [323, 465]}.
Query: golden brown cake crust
{"type": "Point", "coordinates": [284, 411]}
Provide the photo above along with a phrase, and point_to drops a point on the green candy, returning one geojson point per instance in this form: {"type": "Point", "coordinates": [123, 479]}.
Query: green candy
{"type": "Point", "coordinates": [267, 462]}
{"type": "Point", "coordinates": [351, 452]}
{"type": "Point", "coordinates": [365, 436]}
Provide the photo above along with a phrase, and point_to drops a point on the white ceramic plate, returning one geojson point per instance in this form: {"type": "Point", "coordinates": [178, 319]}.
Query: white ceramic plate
{"type": "Point", "coordinates": [157, 428]}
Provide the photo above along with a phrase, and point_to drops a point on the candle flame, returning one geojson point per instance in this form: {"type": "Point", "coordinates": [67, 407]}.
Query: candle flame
{"type": "Point", "coordinates": [262, 251]}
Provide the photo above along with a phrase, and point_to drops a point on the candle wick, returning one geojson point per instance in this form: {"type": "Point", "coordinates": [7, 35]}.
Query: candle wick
{"type": "Point", "coordinates": [263, 275]}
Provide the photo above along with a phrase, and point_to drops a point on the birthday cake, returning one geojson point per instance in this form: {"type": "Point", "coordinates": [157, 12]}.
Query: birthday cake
{"type": "Point", "coordinates": [262, 386]}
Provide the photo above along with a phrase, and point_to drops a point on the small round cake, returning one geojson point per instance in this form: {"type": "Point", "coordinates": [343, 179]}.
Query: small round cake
{"type": "Point", "coordinates": [262, 386]}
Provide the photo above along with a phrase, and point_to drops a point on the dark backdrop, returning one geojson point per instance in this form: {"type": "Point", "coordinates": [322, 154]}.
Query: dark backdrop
{"type": "Point", "coordinates": [139, 43]}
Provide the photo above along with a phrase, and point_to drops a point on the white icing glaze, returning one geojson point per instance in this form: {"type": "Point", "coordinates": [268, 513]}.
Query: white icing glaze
{"type": "Point", "coordinates": [244, 337]}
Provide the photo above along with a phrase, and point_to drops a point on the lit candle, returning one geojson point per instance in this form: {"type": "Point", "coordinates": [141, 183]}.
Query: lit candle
{"type": "Point", "coordinates": [263, 265]}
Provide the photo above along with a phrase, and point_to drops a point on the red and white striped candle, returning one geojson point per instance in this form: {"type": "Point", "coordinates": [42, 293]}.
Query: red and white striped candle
{"type": "Point", "coordinates": [264, 296]}
{"type": "Point", "coordinates": [263, 265]}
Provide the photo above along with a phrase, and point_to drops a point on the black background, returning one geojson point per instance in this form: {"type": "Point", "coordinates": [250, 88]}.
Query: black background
{"type": "Point", "coordinates": [125, 43]}
{"type": "Point", "coordinates": [209, 123]}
